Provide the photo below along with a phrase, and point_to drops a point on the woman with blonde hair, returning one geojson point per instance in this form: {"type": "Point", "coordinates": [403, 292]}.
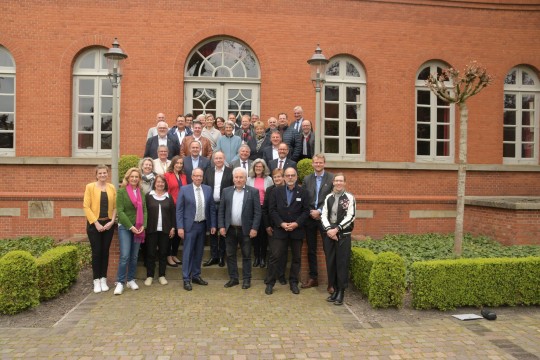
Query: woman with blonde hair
{"type": "Point", "coordinates": [131, 206]}
{"type": "Point", "coordinates": [148, 174]}
{"type": "Point", "coordinates": [100, 209]}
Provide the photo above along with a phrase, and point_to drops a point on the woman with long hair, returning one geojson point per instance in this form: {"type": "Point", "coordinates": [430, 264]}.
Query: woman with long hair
{"type": "Point", "coordinates": [176, 178]}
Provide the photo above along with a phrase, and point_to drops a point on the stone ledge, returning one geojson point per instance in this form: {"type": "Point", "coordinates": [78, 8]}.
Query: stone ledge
{"type": "Point", "coordinates": [70, 212]}
{"type": "Point", "coordinates": [37, 160]}
{"type": "Point", "coordinates": [505, 202]}
{"type": "Point", "coordinates": [10, 212]}
{"type": "Point", "coordinates": [364, 214]}
{"type": "Point", "coordinates": [426, 214]}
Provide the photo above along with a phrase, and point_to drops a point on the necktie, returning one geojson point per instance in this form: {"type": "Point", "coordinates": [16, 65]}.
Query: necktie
{"type": "Point", "coordinates": [244, 165]}
{"type": "Point", "coordinates": [199, 215]}
{"type": "Point", "coordinates": [280, 164]}
{"type": "Point", "coordinates": [318, 180]}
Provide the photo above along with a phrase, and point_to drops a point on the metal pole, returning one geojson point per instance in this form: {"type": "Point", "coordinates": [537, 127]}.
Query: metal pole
{"type": "Point", "coordinates": [318, 122]}
{"type": "Point", "coordinates": [115, 130]}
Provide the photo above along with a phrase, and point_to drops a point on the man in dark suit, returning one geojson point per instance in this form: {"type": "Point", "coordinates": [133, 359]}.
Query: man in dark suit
{"type": "Point", "coordinates": [195, 214]}
{"type": "Point", "coordinates": [243, 158]}
{"type": "Point", "coordinates": [289, 210]}
{"type": "Point", "coordinates": [162, 138]}
{"type": "Point", "coordinates": [195, 160]}
{"type": "Point", "coordinates": [282, 162]}
{"type": "Point", "coordinates": [271, 152]}
{"type": "Point", "coordinates": [180, 131]}
{"type": "Point", "coordinates": [318, 185]}
{"type": "Point", "coordinates": [307, 138]}
{"type": "Point", "coordinates": [239, 219]}
{"type": "Point", "coordinates": [218, 177]}
{"type": "Point", "coordinates": [290, 137]}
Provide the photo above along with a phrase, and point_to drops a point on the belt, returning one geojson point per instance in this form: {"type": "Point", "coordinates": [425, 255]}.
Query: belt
{"type": "Point", "coordinates": [104, 219]}
{"type": "Point", "coordinates": [198, 222]}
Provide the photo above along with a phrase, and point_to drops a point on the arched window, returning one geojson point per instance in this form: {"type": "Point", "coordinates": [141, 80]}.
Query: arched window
{"type": "Point", "coordinates": [7, 103]}
{"type": "Point", "coordinates": [222, 76]}
{"type": "Point", "coordinates": [92, 105]}
{"type": "Point", "coordinates": [344, 110]}
{"type": "Point", "coordinates": [520, 120]}
{"type": "Point", "coordinates": [435, 119]}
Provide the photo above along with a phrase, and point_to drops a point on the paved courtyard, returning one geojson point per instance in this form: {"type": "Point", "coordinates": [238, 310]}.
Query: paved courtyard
{"type": "Point", "coordinates": [166, 322]}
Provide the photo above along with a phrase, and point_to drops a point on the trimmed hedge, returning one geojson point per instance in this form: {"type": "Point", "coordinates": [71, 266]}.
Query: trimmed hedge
{"type": "Point", "coordinates": [57, 270]}
{"type": "Point", "coordinates": [125, 163]}
{"type": "Point", "coordinates": [18, 282]}
{"type": "Point", "coordinates": [361, 262]}
{"type": "Point", "coordinates": [447, 284]}
{"type": "Point", "coordinates": [387, 281]}
{"type": "Point", "coordinates": [305, 168]}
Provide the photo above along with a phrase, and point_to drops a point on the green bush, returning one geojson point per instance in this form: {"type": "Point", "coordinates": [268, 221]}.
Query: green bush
{"type": "Point", "coordinates": [84, 252]}
{"type": "Point", "coordinates": [18, 280]}
{"type": "Point", "coordinates": [387, 281]}
{"type": "Point", "coordinates": [57, 270]}
{"type": "Point", "coordinates": [125, 163]}
{"type": "Point", "coordinates": [35, 245]}
{"type": "Point", "coordinates": [305, 168]}
{"type": "Point", "coordinates": [361, 262]}
{"type": "Point", "coordinates": [447, 284]}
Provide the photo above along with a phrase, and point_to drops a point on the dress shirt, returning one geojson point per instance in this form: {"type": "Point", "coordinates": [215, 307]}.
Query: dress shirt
{"type": "Point", "coordinates": [181, 135]}
{"type": "Point", "coordinates": [236, 211]}
{"type": "Point", "coordinates": [290, 194]}
{"type": "Point", "coordinates": [318, 183]}
{"type": "Point", "coordinates": [275, 153]}
{"type": "Point", "coordinates": [217, 183]}
{"type": "Point", "coordinates": [195, 162]}
{"type": "Point", "coordinates": [162, 140]}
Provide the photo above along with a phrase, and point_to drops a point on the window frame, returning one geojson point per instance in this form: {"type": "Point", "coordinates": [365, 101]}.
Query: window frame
{"type": "Point", "coordinates": [10, 72]}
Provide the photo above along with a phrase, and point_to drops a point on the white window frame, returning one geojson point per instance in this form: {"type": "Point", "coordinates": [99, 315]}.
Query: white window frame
{"type": "Point", "coordinates": [10, 71]}
{"type": "Point", "coordinates": [342, 81]}
{"type": "Point", "coordinates": [519, 90]}
{"type": "Point", "coordinates": [420, 85]}
{"type": "Point", "coordinates": [98, 74]}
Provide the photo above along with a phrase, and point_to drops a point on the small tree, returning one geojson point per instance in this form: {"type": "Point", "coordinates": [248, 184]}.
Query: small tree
{"type": "Point", "coordinates": [473, 80]}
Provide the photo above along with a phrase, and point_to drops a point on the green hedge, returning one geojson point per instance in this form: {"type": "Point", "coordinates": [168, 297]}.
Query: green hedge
{"type": "Point", "coordinates": [447, 284]}
{"type": "Point", "coordinates": [387, 281]}
{"type": "Point", "coordinates": [18, 282]}
{"type": "Point", "coordinates": [57, 270]}
{"type": "Point", "coordinates": [305, 168]}
{"type": "Point", "coordinates": [361, 262]}
{"type": "Point", "coordinates": [125, 163]}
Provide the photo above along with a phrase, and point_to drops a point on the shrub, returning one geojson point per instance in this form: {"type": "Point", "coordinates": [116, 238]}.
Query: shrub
{"type": "Point", "coordinates": [387, 281]}
{"type": "Point", "coordinates": [361, 262]}
{"type": "Point", "coordinates": [18, 279]}
{"type": "Point", "coordinates": [84, 252]}
{"type": "Point", "coordinates": [125, 163]}
{"type": "Point", "coordinates": [305, 168]}
{"type": "Point", "coordinates": [35, 245]}
{"type": "Point", "coordinates": [57, 270]}
{"type": "Point", "coordinates": [447, 284]}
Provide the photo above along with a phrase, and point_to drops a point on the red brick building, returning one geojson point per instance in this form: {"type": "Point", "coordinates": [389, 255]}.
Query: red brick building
{"type": "Point", "coordinates": [395, 140]}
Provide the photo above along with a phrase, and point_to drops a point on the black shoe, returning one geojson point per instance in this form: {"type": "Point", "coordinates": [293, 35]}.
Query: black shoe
{"type": "Point", "coordinates": [246, 284]}
{"type": "Point", "coordinates": [231, 283]}
{"type": "Point", "coordinates": [211, 261]}
{"type": "Point", "coordinates": [339, 297]}
{"type": "Point", "coordinates": [257, 262]}
{"type": "Point", "coordinates": [263, 263]}
{"type": "Point", "coordinates": [332, 297]}
{"type": "Point", "coordinates": [199, 281]}
{"type": "Point", "coordinates": [269, 289]}
{"type": "Point", "coordinates": [187, 285]}
{"type": "Point", "coordinates": [294, 288]}
{"type": "Point", "coordinates": [221, 262]}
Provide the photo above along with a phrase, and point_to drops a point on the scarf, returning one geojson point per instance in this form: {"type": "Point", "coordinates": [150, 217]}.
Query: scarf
{"type": "Point", "coordinates": [136, 200]}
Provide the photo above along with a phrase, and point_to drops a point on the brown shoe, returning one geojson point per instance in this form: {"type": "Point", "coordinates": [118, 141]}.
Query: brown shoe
{"type": "Point", "coordinates": [310, 283]}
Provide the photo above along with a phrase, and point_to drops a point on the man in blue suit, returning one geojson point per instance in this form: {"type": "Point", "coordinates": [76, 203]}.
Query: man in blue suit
{"type": "Point", "coordinates": [195, 160]}
{"type": "Point", "coordinates": [195, 214]}
{"type": "Point", "coordinates": [238, 220]}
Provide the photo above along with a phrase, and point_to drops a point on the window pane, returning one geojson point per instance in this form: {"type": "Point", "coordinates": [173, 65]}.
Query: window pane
{"type": "Point", "coordinates": [527, 102]}
{"type": "Point", "coordinates": [88, 61]}
{"type": "Point", "coordinates": [527, 134]}
{"type": "Point", "coordinates": [352, 128]}
{"type": "Point", "coordinates": [509, 118]}
{"type": "Point", "coordinates": [424, 97]}
{"type": "Point", "coordinates": [5, 58]}
{"type": "Point", "coordinates": [86, 87]}
{"type": "Point", "coordinates": [423, 114]}
{"type": "Point", "coordinates": [246, 107]}
{"type": "Point", "coordinates": [331, 146]}
{"type": "Point", "coordinates": [251, 66]}
{"type": "Point", "coordinates": [194, 65]}
{"type": "Point", "coordinates": [7, 103]}
{"type": "Point", "coordinates": [86, 141]}
{"type": "Point", "coordinates": [6, 140]}
{"type": "Point", "coordinates": [423, 131]}
{"type": "Point", "coordinates": [106, 142]}
{"type": "Point", "coordinates": [443, 132]}
{"type": "Point", "coordinates": [509, 150]}
{"type": "Point", "coordinates": [215, 60]}
{"type": "Point", "coordinates": [86, 105]}
{"type": "Point", "coordinates": [352, 146]}
{"type": "Point", "coordinates": [353, 94]}
{"type": "Point", "coordinates": [510, 78]}
{"type": "Point", "coordinates": [526, 79]}
{"type": "Point", "coordinates": [333, 69]}
{"type": "Point", "coordinates": [331, 128]}
{"type": "Point", "coordinates": [443, 115]}
{"type": "Point", "coordinates": [441, 102]}
{"type": "Point", "coordinates": [331, 111]}
{"type": "Point", "coordinates": [509, 134]}
{"type": "Point", "coordinates": [422, 148]}
{"type": "Point", "coordinates": [106, 105]}
{"type": "Point", "coordinates": [238, 71]}
{"type": "Point", "coordinates": [352, 112]}
{"type": "Point", "coordinates": [106, 123]}
{"type": "Point", "coordinates": [527, 151]}
{"type": "Point", "coordinates": [352, 70]}
{"type": "Point", "coordinates": [7, 85]}
{"type": "Point", "coordinates": [86, 123]}
{"type": "Point", "coordinates": [6, 121]}
{"type": "Point", "coordinates": [509, 101]}
{"type": "Point", "coordinates": [526, 117]}
{"type": "Point", "coordinates": [106, 87]}
{"type": "Point", "coordinates": [442, 148]}
{"type": "Point", "coordinates": [331, 93]}
{"type": "Point", "coordinates": [424, 74]}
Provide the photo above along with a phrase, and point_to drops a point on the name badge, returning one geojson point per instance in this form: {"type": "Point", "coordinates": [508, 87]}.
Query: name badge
{"type": "Point", "coordinates": [298, 199]}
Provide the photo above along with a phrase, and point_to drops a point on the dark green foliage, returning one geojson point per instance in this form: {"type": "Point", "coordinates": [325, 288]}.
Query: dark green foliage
{"type": "Point", "coordinates": [446, 284]}
{"type": "Point", "coordinates": [18, 282]}
{"type": "Point", "coordinates": [57, 268]}
{"type": "Point", "coordinates": [84, 252]}
{"type": "Point", "coordinates": [125, 163]}
{"type": "Point", "coordinates": [35, 245]}
{"type": "Point", "coordinates": [305, 168]}
{"type": "Point", "coordinates": [387, 281]}
{"type": "Point", "coordinates": [361, 262]}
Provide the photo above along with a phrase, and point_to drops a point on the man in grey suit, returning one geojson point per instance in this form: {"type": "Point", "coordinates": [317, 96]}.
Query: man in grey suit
{"type": "Point", "coordinates": [282, 162]}
{"type": "Point", "coordinates": [318, 185]}
{"type": "Point", "coordinates": [243, 158]}
{"type": "Point", "coordinates": [239, 218]}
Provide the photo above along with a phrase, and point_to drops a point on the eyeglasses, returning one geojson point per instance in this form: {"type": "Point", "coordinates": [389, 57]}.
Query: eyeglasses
{"type": "Point", "coordinates": [289, 175]}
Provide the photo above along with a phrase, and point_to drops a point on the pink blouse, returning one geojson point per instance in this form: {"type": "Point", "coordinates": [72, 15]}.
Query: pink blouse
{"type": "Point", "coordinates": [259, 185]}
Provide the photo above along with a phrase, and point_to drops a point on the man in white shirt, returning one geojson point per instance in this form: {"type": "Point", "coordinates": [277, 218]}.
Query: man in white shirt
{"type": "Point", "coordinates": [180, 131]}
{"type": "Point", "coordinates": [298, 118]}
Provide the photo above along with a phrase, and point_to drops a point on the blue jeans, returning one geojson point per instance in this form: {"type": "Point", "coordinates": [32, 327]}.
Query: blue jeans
{"type": "Point", "coordinates": [129, 252]}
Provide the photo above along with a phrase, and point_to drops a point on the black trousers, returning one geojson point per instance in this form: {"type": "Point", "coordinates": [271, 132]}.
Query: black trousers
{"type": "Point", "coordinates": [236, 237]}
{"type": "Point", "coordinates": [311, 227]}
{"type": "Point", "coordinates": [278, 254]}
{"type": "Point", "coordinates": [338, 258]}
{"type": "Point", "coordinates": [157, 246]}
{"type": "Point", "coordinates": [260, 243]}
{"type": "Point", "coordinates": [100, 242]}
{"type": "Point", "coordinates": [173, 246]}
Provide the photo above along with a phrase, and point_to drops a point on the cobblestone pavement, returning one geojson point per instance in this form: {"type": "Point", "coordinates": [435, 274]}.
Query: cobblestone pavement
{"type": "Point", "coordinates": [166, 322]}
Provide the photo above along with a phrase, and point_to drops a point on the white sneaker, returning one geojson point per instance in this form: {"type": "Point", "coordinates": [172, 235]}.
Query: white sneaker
{"type": "Point", "coordinates": [104, 286]}
{"type": "Point", "coordinates": [148, 281]}
{"type": "Point", "coordinates": [118, 289]}
{"type": "Point", "coordinates": [163, 281]}
{"type": "Point", "coordinates": [97, 286]}
{"type": "Point", "coordinates": [133, 285]}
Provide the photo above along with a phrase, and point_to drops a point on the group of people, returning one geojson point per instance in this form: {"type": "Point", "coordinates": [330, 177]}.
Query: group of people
{"type": "Point", "coordinates": [237, 182]}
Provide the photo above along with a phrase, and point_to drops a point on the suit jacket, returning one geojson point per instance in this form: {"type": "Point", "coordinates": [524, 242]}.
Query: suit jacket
{"type": "Point", "coordinates": [311, 146]}
{"type": "Point", "coordinates": [310, 184]}
{"type": "Point", "coordinates": [226, 179]}
{"type": "Point", "coordinates": [268, 154]}
{"type": "Point", "coordinates": [172, 132]}
{"type": "Point", "coordinates": [281, 211]}
{"type": "Point", "coordinates": [238, 163]}
{"type": "Point", "coordinates": [206, 149]}
{"type": "Point", "coordinates": [249, 134]}
{"type": "Point", "coordinates": [186, 207]}
{"type": "Point", "coordinates": [253, 147]}
{"type": "Point", "coordinates": [274, 164]}
{"type": "Point", "coordinates": [153, 143]}
{"type": "Point", "coordinates": [204, 163]}
{"type": "Point", "coordinates": [251, 209]}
